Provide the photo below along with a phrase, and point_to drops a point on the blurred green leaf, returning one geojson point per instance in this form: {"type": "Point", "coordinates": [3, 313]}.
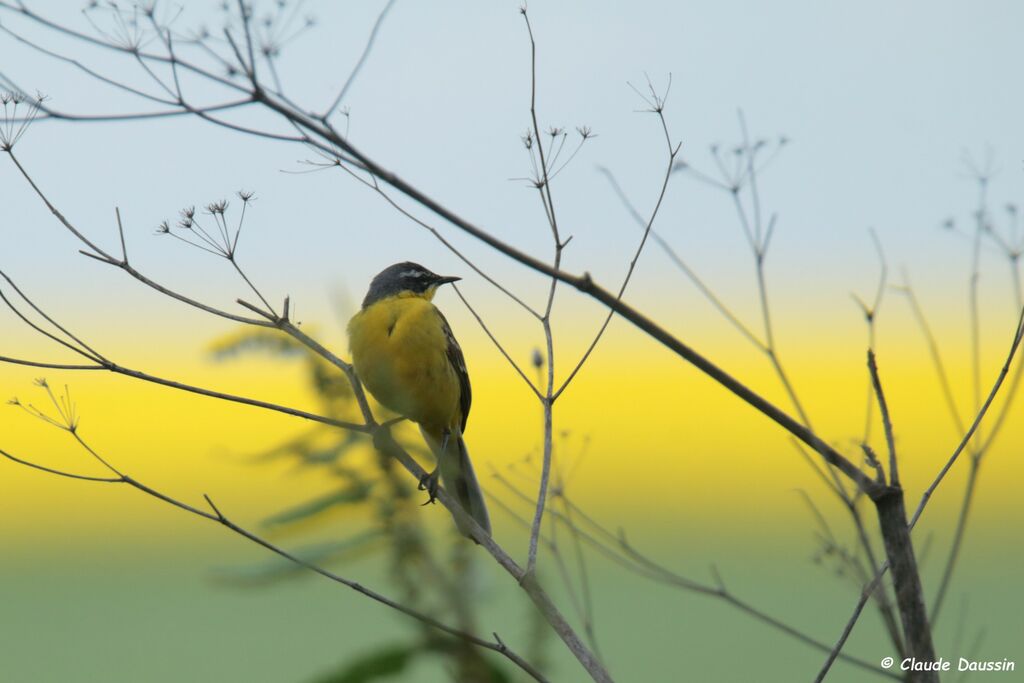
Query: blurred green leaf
{"type": "Point", "coordinates": [498, 675]}
{"type": "Point", "coordinates": [327, 381]}
{"type": "Point", "coordinates": [249, 340]}
{"type": "Point", "coordinates": [356, 493]}
{"type": "Point", "coordinates": [306, 447]}
{"type": "Point", "coordinates": [333, 452]}
{"type": "Point", "coordinates": [386, 662]}
{"type": "Point", "coordinates": [318, 554]}
{"type": "Point", "coordinates": [485, 665]}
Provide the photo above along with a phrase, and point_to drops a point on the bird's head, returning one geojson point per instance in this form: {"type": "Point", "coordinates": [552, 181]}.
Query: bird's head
{"type": "Point", "coordinates": [405, 279]}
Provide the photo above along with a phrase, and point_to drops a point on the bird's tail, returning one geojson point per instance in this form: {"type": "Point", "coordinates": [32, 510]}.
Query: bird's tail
{"type": "Point", "coordinates": [459, 479]}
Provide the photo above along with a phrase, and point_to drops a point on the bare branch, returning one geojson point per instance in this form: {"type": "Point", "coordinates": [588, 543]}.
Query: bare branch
{"type": "Point", "coordinates": [60, 473]}
{"type": "Point", "coordinates": [362, 60]}
{"type": "Point", "coordinates": [501, 348]}
{"type": "Point", "coordinates": [672, 152]}
{"type": "Point", "coordinates": [894, 476]}
{"type": "Point", "coordinates": [982, 411]}
{"type": "Point", "coordinates": [617, 549]}
{"type": "Point", "coordinates": [933, 351]}
{"type": "Point", "coordinates": [848, 627]}
{"type": "Point", "coordinates": [680, 263]}
{"type": "Point", "coordinates": [218, 517]}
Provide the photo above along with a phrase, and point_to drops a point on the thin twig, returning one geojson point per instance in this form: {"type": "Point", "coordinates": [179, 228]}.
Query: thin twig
{"type": "Point", "coordinates": [883, 407]}
{"type": "Point", "coordinates": [494, 340]}
{"type": "Point", "coordinates": [543, 184]}
{"type": "Point", "coordinates": [980, 451]}
{"type": "Point", "coordinates": [1018, 333]}
{"type": "Point", "coordinates": [934, 352]}
{"type": "Point", "coordinates": [362, 59]}
{"type": "Point", "coordinates": [704, 289]}
{"type": "Point", "coordinates": [672, 152]}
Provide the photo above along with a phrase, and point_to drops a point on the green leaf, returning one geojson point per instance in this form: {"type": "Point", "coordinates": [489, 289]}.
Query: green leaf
{"type": "Point", "coordinates": [483, 663]}
{"type": "Point", "coordinates": [498, 675]}
{"type": "Point", "coordinates": [249, 340]}
{"type": "Point", "coordinates": [355, 493]}
{"type": "Point", "coordinates": [386, 662]}
{"type": "Point", "coordinates": [335, 451]}
{"type": "Point", "coordinates": [324, 377]}
{"type": "Point", "coordinates": [317, 554]}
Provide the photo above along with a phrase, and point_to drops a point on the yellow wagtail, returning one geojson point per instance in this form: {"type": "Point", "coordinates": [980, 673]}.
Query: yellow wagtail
{"type": "Point", "coordinates": [406, 355]}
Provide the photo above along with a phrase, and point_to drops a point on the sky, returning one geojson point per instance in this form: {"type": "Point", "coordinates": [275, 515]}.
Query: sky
{"type": "Point", "coordinates": [885, 108]}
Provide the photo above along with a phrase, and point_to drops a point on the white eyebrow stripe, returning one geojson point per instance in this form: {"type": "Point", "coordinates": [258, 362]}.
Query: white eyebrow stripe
{"type": "Point", "coordinates": [412, 273]}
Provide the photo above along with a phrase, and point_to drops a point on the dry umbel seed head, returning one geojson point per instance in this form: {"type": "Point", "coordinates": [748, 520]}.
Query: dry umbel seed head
{"type": "Point", "coordinates": [19, 111]}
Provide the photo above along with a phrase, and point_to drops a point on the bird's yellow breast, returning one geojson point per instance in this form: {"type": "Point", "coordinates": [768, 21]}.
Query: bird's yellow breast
{"type": "Point", "coordinates": [399, 350]}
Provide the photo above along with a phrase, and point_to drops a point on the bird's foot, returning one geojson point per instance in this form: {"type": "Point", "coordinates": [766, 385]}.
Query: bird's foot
{"type": "Point", "coordinates": [429, 483]}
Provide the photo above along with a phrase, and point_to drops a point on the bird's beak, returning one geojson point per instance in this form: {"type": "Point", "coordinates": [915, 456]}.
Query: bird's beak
{"type": "Point", "coordinates": [446, 279]}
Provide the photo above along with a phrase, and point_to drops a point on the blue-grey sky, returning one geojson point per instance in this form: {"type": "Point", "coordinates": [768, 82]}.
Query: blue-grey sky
{"type": "Point", "coordinates": [880, 100]}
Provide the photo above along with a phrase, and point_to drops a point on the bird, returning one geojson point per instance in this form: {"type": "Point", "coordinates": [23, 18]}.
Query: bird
{"type": "Point", "coordinates": [404, 352]}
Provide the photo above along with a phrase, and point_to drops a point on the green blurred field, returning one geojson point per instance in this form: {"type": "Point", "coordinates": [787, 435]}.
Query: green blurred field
{"type": "Point", "coordinates": [158, 614]}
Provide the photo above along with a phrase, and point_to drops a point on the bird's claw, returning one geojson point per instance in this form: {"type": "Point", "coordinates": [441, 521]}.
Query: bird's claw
{"type": "Point", "coordinates": [429, 483]}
